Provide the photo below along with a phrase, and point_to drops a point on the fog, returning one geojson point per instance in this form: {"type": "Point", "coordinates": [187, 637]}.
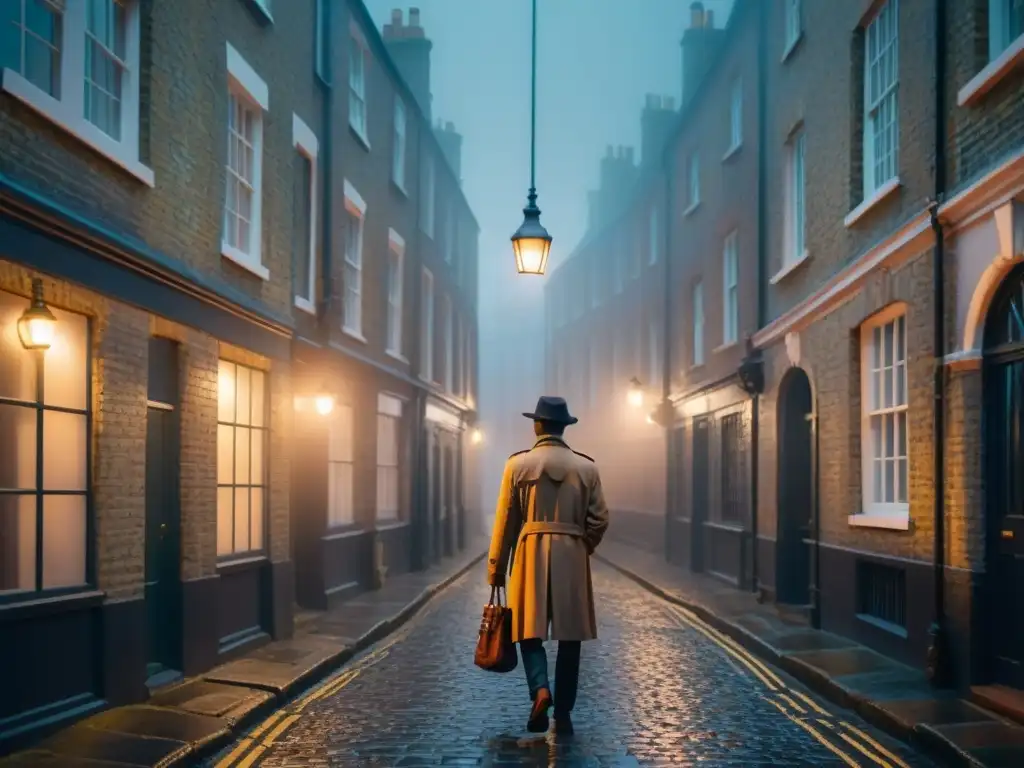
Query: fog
{"type": "Point", "coordinates": [596, 60]}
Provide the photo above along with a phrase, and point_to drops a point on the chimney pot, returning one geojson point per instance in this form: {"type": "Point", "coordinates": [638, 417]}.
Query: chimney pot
{"type": "Point", "coordinates": [396, 17]}
{"type": "Point", "coordinates": [709, 19]}
{"type": "Point", "coordinates": [696, 15]}
{"type": "Point", "coordinates": [414, 17]}
{"type": "Point", "coordinates": [669, 103]}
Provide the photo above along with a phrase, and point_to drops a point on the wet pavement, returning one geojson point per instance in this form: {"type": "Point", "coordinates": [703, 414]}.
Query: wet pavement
{"type": "Point", "coordinates": [658, 688]}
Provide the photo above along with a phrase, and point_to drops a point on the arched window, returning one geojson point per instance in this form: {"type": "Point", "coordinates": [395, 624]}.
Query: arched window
{"type": "Point", "coordinates": [1005, 323]}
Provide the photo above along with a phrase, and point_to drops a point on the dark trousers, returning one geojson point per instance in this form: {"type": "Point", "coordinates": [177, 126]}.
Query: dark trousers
{"type": "Point", "coordinates": [567, 671]}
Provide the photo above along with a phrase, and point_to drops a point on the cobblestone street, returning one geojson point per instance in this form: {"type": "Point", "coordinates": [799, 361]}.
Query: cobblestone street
{"type": "Point", "coordinates": [657, 688]}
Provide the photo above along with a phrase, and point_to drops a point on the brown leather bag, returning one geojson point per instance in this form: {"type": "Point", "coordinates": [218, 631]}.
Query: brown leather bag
{"type": "Point", "coordinates": [495, 650]}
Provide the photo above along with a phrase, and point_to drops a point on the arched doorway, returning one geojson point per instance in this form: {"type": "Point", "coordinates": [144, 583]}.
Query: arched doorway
{"type": "Point", "coordinates": [1004, 480]}
{"type": "Point", "coordinates": [795, 489]}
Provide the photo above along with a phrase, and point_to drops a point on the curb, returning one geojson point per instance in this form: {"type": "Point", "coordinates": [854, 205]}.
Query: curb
{"type": "Point", "coordinates": [920, 736]}
{"type": "Point", "coordinates": [372, 636]}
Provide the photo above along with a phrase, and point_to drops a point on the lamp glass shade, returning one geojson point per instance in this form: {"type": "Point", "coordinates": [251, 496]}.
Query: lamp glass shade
{"type": "Point", "coordinates": [636, 397]}
{"type": "Point", "coordinates": [476, 436]}
{"type": "Point", "coordinates": [37, 327]}
{"type": "Point", "coordinates": [531, 244]}
{"type": "Point", "coordinates": [324, 404]}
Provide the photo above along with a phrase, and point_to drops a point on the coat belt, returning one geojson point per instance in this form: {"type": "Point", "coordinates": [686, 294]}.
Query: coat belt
{"type": "Point", "coordinates": [549, 526]}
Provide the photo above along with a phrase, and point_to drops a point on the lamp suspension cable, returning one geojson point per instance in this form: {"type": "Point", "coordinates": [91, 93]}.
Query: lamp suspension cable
{"type": "Point", "coordinates": [533, 106]}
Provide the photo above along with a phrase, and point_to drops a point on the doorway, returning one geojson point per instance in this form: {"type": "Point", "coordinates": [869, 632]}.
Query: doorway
{"type": "Point", "coordinates": [163, 517]}
{"type": "Point", "coordinates": [436, 513]}
{"type": "Point", "coordinates": [1004, 451]}
{"type": "Point", "coordinates": [449, 501]}
{"type": "Point", "coordinates": [699, 513]}
{"type": "Point", "coordinates": [795, 489]}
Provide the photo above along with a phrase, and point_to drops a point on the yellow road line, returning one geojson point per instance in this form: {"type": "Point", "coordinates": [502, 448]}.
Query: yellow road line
{"type": "Point", "coordinates": [812, 703]}
{"type": "Point", "coordinates": [793, 704]}
{"type": "Point", "coordinates": [283, 726]}
{"type": "Point", "coordinates": [252, 757]}
{"type": "Point", "coordinates": [767, 683]}
{"type": "Point", "coordinates": [874, 743]}
{"type": "Point", "coordinates": [818, 736]}
{"type": "Point", "coordinates": [230, 758]}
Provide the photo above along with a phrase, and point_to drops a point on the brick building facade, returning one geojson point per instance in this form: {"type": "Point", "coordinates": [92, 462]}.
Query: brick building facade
{"type": "Point", "coordinates": [233, 385]}
{"type": "Point", "coordinates": [878, 226]}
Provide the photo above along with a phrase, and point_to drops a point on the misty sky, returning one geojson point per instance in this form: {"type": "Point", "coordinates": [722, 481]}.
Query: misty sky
{"type": "Point", "coordinates": [596, 60]}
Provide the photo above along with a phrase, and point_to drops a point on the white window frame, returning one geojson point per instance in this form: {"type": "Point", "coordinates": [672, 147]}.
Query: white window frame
{"type": "Point", "coordinates": [882, 513]}
{"type": "Point", "coordinates": [735, 116]}
{"type": "Point", "coordinates": [428, 212]}
{"type": "Point", "coordinates": [877, 107]}
{"type": "Point", "coordinates": [265, 9]}
{"type": "Point", "coordinates": [357, 87]}
{"type": "Point", "coordinates": [794, 25]}
{"type": "Point", "coordinates": [341, 508]}
{"type": "Point", "coordinates": [795, 234]}
{"type": "Point", "coordinates": [305, 142]}
{"type": "Point", "coordinates": [698, 324]}
{"type": "Point", "coordinates": [730, 289]}
{"type": "Point", "coordinates": [653, 235]}
{"type": "Point", "coordinates": [396, 293]}
{"type": "Point", "coordinates": [693, 181]}
{"type": "Point", "coordinates": [449, 345]}
{"type": "Point", "coordinates": [68, 110]}
{"type": "Point", "coordinates": [1005, 53]}
{"type": "Point", "coordinates": [398, 158]}
{"type": "Point", "coordinates": [389, 465]}
{"type": "Point", "coordinates": [427, 325]}
{"type": "Point", "coordinates": [1000, 37]}
{"type": "Point", "coordinates": [356, 206]}
{"type": "Point", "coordinates": [245, 85]}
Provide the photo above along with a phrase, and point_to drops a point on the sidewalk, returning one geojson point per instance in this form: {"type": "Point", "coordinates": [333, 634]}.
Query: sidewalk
{"type": "Point", "coordinates": [201, 715]}
{"type": "Point", "coordinates": [890, 695]}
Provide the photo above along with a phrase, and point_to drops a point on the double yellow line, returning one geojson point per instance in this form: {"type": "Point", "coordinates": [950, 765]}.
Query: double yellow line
{"type": "Point", "coordinates": [834, 734]}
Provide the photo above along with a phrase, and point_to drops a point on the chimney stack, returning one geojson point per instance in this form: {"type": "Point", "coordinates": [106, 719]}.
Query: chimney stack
{"type": "Point", "coordinates": [618, 173]}
{"type": "Point", "coordinates": [451, 146]}
{"type": "Point", "coordinates": [699, 45]}
{"type": "Point", "coordinates": [409, 48]}
{"type": "Point", "coordinates": [657, 121]}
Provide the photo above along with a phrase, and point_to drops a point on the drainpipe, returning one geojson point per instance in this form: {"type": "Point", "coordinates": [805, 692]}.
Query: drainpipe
{"type": "Point", "coordinates": [418, 455]}
{"type": "Point", "coordinates": [816, 517]}
{"type": "Point", "coordinates": [328, 189]}
{"type": "Point", "coordinates": [938, 651]}
{"type": "Point", "coordinates": [667, 415]}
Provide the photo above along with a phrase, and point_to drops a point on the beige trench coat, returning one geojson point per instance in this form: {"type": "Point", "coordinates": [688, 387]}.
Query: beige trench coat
{"type": "Point", "coordinates": [550, 517]}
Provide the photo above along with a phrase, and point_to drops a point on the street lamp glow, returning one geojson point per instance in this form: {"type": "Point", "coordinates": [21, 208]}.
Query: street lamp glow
{"type": "Point", "coordinates": [636, 393]}
{"type": "Point", "coordinates": [37, 325]}
{"type": "Point", "coordinates": [324, 404]}
{"type": "Point", "coordinates": [476, 436]}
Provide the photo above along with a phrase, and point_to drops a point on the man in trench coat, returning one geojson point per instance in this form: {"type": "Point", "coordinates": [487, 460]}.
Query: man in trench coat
{"type": "Point", "coordinates": [550, 517]}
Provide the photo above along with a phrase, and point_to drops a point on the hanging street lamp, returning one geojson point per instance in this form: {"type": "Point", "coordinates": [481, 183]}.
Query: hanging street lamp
{"type": "Point", "coordinates": [636, 392]}
{"type": "Point", "coordinates": [37, 325]}
{"type": "Point", "coordinates": [531, 242]}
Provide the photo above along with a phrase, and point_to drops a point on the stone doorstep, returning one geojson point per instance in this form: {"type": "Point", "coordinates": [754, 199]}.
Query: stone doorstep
{"type": "Point", "coordinates": [196, 717]}
{"type": "Point", "coordinates": [889, 695]}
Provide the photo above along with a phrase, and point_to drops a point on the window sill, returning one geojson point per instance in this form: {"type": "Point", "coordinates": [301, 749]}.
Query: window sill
{"type": "Point", "coordinates": [360, 134]}
{"type": "Point", "coordinates": [693, 207]}
{"type": "Point", "coordinates": [261, 11]}
{"type": "Point", "coordinates": [789, 268]}
{"type": "Point", "coordinates": [696, 366]}
{"type": "Point", "coordinates": [990, 76]}
{"type": "Point", "coordinates": [893, 521]}
{"type": "Point", "coordinates": [735, 148]}
{"type": "Point", "coordinates": [56, 112]}
{"type": "Point", "coordinates": [354, 334]}
{"type": "Point", "coordinates": [791, 46]}
{"type": "Point", "coordinates": [346, 530]}
{"type": "Point", "coordinates": [305, 305]}
{"type": "Point", "coordinates": [389, 522]}
{"type": "Point", "coordinates": [400, 187]}
{"type": "Point", "coordinates": [243, 260]}
{"type": "Point", "coordinates": [246, 562]}
{"type": "Point", "coordinates": [875, 198]}
{"type": "Point", "coordinates": [723, 347]}
{"type": "Point", "coordinates": [31, 604]}
{"type": "Point", "coordinates": [397, 356]}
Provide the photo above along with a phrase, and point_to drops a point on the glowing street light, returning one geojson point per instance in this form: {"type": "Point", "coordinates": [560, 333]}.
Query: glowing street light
{"type": "Point", "coordinates": [324, 404]}
{"type": "Point", "coordinates": [636, 393]}
{"type": "Point", "coordinates": [476, 437]}
{"type": "Point", "coordinates": [37, 325]}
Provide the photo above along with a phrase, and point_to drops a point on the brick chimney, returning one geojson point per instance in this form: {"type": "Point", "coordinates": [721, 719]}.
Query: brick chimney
{"type": "Point", "coordinates": [657, 120]}
{"type": "Point", "coordinates": [699, 44]}
{"type": "Point", "coordinates": [618, 174]}
{"type": "Point", "coordinates": [451, 145]}
{"type": "Point", "coordinates": [409, 48]}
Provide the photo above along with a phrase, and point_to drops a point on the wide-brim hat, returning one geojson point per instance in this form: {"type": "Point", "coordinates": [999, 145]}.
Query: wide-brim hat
{"type": "Point", "coordinates": [552, 409]}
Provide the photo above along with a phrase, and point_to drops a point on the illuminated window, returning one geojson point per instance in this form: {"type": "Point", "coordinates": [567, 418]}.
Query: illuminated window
{"type": "Point", "coordinates": [340, 468]}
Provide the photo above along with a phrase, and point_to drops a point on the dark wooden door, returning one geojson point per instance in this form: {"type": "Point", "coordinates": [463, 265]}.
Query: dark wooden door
{"type": "Point", "coordinates": [448, 487]}
{"type": "Point", "coordinates": [699, 507]}
{"type": "Point", "coordinates": [435, 501]}
{"type": "Point", "coordinates": [1005, 448]}
{"type": "Point", "coordinates": [795, 484]}
{"type": "Point", "coordinates": [163, 581]}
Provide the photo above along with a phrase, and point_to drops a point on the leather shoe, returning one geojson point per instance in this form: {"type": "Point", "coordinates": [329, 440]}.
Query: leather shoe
{"type": "Point", "coordinates": [538, 722]}
{"type": "Point", "coordinates": [563, 724]}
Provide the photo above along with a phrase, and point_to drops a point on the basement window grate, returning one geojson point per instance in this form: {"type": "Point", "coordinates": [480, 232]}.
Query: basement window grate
{"type": "Point", "coordinates": [882, 593]}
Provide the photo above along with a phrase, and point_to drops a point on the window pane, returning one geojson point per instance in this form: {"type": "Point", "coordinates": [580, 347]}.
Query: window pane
{"type": "Point", "coordinates": [901, 384]}
{"type": "Point", "coordinates": [887, 384]}
{"type": "Point", "coordinates": [226, 391]}
{"type": "Point", "coordinates": [66, 372]}
{"type": "Point", "coordinates": [901, 337]}
{"type": "Point", "coordinates": [64, 446]}
{"type": "Point", "coordinates": [17, 542]}
{"type": "Point", "coordinates": [241, 541]}
{"type": "Point", "coordinates": [889, 423]}
{"type": "Point", "coordinates": [242, 455]}
{"type": "Point", "coordinates": [257, 470]}
{"type": "Point", "coordinates": [225, 454]}
{"type": "Point", "coordinates": [242, 403]}
{"type": "Point", "coordinates": [887, 336]}
{"type": "Point", "coordinates": [903, 480]}
{"type": "Point", "coordinates": [225, 520]}
{"type": "Point", "coordinates": [256, 513]}
{"type": "Point", "coordinates": [890, 482]}
{"type": "Point", "coordinates": [901, 436]}
{"type": "Point", "coordinates": [63, 541]}
{"type": "Point", "coordinates": [18, 437]}
{"type": "Point", "coordinates": [258, 390]}
{"type": "Point", "coordinates": [17, 366]}
{"type": "Point", "coordinates": [302, 202]}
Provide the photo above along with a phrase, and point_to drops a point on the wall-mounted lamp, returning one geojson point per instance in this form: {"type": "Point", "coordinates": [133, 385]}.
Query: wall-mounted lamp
{"type": "Point", "coordinates": [476, 436]}
{"type": "Point", "coordinates": [636, 392]}
{"type": "Point", "coordinates": [37, 325]}
{"type": "Point", "coordinates": [324, 404]}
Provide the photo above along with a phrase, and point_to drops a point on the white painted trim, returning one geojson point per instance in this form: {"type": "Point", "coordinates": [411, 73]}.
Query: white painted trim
{"type": "Point", "coordinates": [305, 305]}
{"type": "Point", "coordinates": [894, 521]}
{"type": "Point", "coordinates": [244, 260]}
{"type": "Point", "coordinates": [990, 76]}
{"type": "Point", "coordinates": [691, 208]}
{"type": "Point", "coordinates": [247, 79]}
{"type": "Point", "coordinates": [303, 138]}
{"type": "Point", "coordinates": [986, 194]}
{"type": "Point", "coordinates": [396, 242]}
{"type": "Point", "coordinates": [788, 268]}
{"type": "Point", "coordinates": [352, 196]}
{"type": "Point", "coordinates": [732, 151]}
{"type": "Point", "coordinates": [305, 141]}
{"type": "Point", "coordinates": [354, 334]}
{"type": "Point", "coordinates": [397, 356]}
{"type": "Point", "coordinates": [966, 360]}
{"type": "Point", "coordinates": [911, 239]}
{"type": "Point", "coordinates": [791, 46]}
{"type": "Point", "coordinates": [875, 198]}
{"type": "Point", "coordinates": [389, 405]}
{"type": "Point", "coordinates": [263, 6]}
